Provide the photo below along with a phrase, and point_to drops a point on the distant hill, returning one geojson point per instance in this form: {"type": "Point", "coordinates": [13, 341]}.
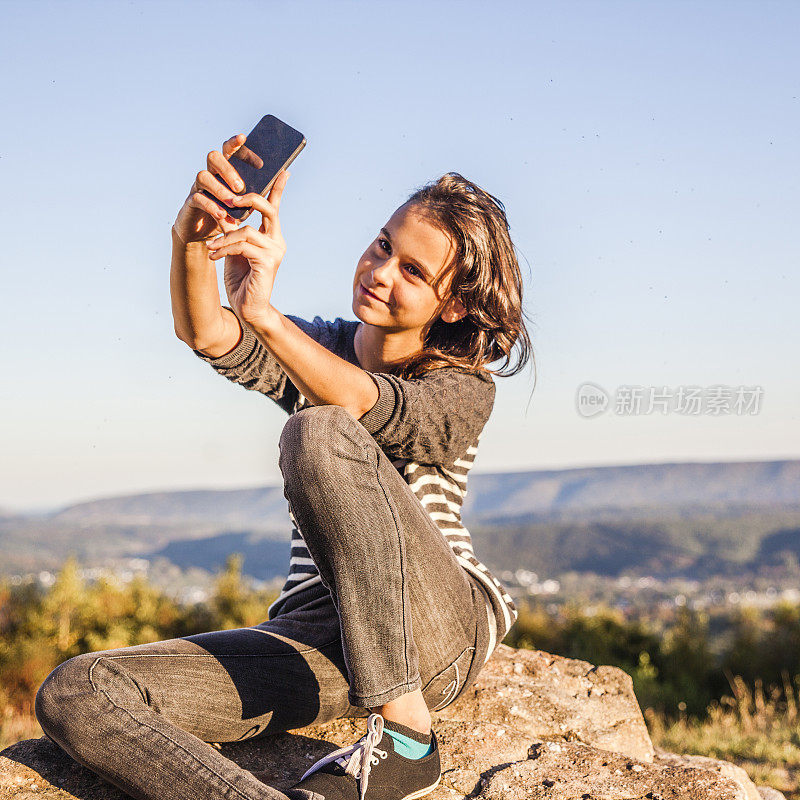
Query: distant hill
{"type": "Point", "coordinates": [698, 546]}
{"type": "Point", "coordinates": [490, 496]}
{"type": "Point", "coordinates": [578, 493]}
{"type": "Point", "coordinates": [262, 508]}
{"type": "Point", "coordinates": [672, 518]}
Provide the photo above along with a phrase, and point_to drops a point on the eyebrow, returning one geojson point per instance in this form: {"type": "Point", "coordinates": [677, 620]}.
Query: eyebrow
{"type": "Point", "coordinates": [412, 260]}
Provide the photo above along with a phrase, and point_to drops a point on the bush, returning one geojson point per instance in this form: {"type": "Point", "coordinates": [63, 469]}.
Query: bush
{"type": "Point", "coordinates": [675, 667]}
{"type": "Point", "coordinates": [40, 628]}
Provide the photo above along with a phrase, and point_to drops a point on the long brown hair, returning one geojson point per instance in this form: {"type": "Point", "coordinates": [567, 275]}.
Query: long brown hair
{"type": "Point", "coordinates": [485, 278]}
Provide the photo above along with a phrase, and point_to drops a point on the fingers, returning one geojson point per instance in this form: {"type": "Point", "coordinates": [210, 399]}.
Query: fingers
{"type": "Point", "coordinates": [246, 249]}
{"type": "Point", "coordinates": [276, 192]}
{"type": "Point", "coordinates": [233, 144]}
{"type": "Point", "coordinates": [228, 223]}
{"type": "Point", "coordinates": [236, 236]}
{"type": "Point", "coordinates": [249, 157]}
{"type": "Point", "coordinates": [205, 180]}
{"type": "Point", "coordinates": [246, 241]}
{"type": "Point", "coordinates": [259, 203]}
{"type": "Point", "coordinates": [199, 200]}
{"type": "Point", "coordinates": [216, 162]}
{"type": "Point", "coordinates": [269, 208]}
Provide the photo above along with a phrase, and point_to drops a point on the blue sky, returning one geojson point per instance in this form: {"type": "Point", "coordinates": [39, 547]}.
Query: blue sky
{"type": "Point", "coordinates": [646, 153]}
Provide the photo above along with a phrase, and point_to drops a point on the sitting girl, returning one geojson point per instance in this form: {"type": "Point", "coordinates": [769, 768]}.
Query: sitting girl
{"type": "Point", "coordinates": [386, 611]}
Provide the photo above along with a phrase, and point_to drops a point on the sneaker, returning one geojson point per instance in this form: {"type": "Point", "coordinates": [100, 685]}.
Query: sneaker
{"type": "Point", "coordinates": [370, 770]}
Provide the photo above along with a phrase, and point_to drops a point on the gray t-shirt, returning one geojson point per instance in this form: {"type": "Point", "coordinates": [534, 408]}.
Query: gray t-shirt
{"type": "Point", "coordinates": [429, 427]}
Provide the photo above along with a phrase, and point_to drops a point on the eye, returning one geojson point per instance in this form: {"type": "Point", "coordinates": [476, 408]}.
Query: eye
{"type": "Point", "coordinates": [380, 241]}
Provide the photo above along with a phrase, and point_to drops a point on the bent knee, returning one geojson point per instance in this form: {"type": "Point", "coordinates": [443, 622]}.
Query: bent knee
{"type": "Point", "coordinates": [62, 693]}
{"type": "Point", "coordinates": [312, 433]}
{"type": "Point", "coordinates": [312, 426]}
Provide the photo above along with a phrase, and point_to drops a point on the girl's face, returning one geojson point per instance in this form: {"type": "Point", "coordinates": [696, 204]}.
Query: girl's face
{"type": "Point", "coordinates": [393, 285]}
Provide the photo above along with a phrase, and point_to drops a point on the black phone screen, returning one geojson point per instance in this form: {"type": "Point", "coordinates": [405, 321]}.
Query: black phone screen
{"type": "Point", "coordinates": [270, 147]}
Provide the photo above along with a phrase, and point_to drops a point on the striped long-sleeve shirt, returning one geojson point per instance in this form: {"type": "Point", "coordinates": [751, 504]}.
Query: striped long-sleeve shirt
{"type": "Point", "coordinates": [429, 427]}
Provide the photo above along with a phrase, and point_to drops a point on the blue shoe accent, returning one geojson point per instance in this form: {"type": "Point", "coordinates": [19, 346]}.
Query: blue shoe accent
{"type": "Point", "coordinates": [407, 747]}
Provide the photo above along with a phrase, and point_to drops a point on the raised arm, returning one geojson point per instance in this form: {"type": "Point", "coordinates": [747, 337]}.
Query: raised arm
{"type": "Point", "coordinates": [199, 318]}
{"type": "Point", "coordinates": [251, 365]}
{"type": "Point", "coordinates": [224, 337]}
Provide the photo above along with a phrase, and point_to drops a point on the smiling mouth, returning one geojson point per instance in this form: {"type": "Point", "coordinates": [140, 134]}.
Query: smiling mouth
{"type": "Point", "coordinates": [369, 293]}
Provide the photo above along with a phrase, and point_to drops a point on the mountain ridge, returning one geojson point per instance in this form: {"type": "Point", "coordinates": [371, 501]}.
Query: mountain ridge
{"type": "Point", "coordinates": [751, 483]}
{"type": "Point", "coordinates": [671, 518]}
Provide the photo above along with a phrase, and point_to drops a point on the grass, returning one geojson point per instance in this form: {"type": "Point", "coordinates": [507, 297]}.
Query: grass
{"type": "Point", "coordinates": [14, 727]}
{"type": "Point", "coordinates": [756, 729]}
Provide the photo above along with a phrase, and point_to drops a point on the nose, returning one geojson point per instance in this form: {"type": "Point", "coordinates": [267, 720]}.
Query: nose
{"type": "Point", "coordinates": [382, 272]}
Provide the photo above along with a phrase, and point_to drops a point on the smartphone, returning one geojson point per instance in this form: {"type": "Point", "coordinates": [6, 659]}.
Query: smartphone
{"type": "Point", "coordinates": [269, 148]}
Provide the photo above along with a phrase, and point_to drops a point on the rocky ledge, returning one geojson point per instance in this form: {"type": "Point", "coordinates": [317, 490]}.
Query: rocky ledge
{"type": "Point", "coordinates": [533, 726]}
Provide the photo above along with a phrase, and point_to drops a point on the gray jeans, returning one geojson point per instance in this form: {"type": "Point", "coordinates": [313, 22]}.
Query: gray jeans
{"type": "Point", "coordinates": [394, 612]}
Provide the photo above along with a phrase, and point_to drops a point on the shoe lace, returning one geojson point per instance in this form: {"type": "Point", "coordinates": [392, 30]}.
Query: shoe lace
{"type": "Point", "coordinates": [359, 758]}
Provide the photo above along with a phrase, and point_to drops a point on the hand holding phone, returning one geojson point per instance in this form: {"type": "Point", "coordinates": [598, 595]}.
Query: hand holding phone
{"type": "Point", "coordinates": [238, 169]}
{"type": "Point", "coordinates": [200, 218]}
{"type": "Point", "coordinates": [253, 256]}
{"type": "Point", "coordinates": [267, 150]}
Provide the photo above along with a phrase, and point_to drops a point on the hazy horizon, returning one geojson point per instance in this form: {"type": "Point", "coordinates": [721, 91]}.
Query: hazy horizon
{"type": "Point", "coordinates": [276, 483]}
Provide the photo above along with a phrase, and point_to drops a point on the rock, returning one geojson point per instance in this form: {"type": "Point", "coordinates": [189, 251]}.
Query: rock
{"type": "Point", "coordinates": [722, 767]}
{"type": "Point", "coordinates": [533, 725]}
{"type": "Point", "coordinates": [566, 771]}
{"type": "Point", "coordinates": [770, 794]}
{"type": "Point", "coordinates": [550, 697]}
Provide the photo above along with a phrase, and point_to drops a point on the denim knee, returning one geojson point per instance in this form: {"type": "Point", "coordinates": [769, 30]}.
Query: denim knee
{"type": "Point", "coordinates": [315, 440]}
{"type": "Point", "coordinates": [62, 701]}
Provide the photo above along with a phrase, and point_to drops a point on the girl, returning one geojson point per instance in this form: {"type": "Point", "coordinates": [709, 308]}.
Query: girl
{"type": "Point", "coordinates": [386, 611]}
